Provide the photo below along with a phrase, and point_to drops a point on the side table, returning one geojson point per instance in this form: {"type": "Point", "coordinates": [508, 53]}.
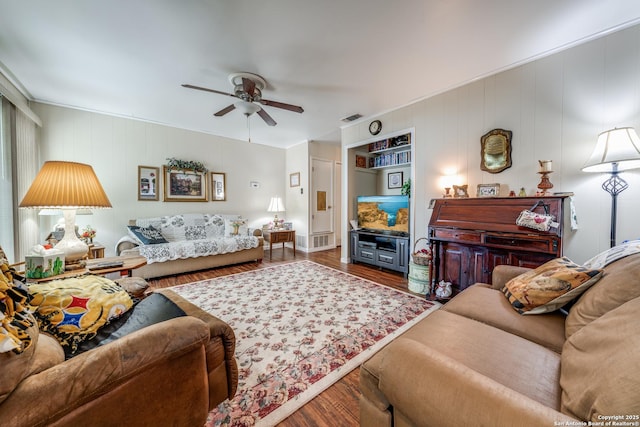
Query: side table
{"type": "Point", "coordinates": [96, 250]}
{"type": "Point", "coordinates": [280, 236]}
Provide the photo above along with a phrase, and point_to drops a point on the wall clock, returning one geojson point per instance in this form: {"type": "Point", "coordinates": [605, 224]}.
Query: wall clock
{"type": "Point", "coordinates": [375, 127]}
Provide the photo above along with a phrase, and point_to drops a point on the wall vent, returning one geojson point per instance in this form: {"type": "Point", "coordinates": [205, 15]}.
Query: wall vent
{"type": "Point", "coordinates": [321, 241]}
{"type": "Point", "coordinates": [352, 118]}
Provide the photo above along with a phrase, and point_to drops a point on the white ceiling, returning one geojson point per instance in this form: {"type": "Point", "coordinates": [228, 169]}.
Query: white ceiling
{"type": "Point", "coordinates": [333, 57]}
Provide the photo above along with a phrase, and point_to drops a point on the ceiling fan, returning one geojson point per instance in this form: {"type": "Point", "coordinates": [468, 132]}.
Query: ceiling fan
{"type": "Point", "coordinates": [248, 89]}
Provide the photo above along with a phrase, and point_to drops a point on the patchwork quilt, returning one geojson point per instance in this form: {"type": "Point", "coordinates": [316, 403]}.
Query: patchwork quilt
{"type": "Point", "coordinates": [196, 235]}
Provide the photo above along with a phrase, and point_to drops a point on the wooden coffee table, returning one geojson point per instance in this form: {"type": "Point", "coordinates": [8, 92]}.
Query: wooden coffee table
{"type": "Point", "coordinates": [101, 266]}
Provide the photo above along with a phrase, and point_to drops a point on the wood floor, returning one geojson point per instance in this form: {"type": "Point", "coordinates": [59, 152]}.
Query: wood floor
{"type": "Point", "coordinates": [338, 405]}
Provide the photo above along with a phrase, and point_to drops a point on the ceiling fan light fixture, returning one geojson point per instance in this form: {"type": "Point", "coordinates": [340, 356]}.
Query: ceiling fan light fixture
{"type": "Point", "coordinates": [247, 108]}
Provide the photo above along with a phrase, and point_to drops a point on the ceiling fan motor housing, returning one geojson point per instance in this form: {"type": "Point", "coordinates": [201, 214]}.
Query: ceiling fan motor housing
{"type": "Point", "coordinates": [242, 94]}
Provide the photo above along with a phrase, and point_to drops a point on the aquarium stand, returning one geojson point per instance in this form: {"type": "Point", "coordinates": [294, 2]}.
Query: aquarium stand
{"type": "Point", "coordinates": [381, 250]}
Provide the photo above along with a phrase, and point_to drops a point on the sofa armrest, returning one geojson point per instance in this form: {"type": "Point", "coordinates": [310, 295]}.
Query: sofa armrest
{"type": "Point", "coordinates": [503, 273]}
{"type": "Point", "coordinates": [121, 383]}
{"type": "Point", "coordinates": [450, 394]}
{"type": "Point", "coordinates": [221, 335]}
{"type": "Point", "coordinates": [125, 243]}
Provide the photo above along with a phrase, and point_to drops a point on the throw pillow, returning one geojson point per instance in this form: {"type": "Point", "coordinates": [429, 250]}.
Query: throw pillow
{"type": "Point", "coordinates": [173, 228]}
{"type": "Point", "coordinates": [214, 226]}
{"type": "Point", "coordinates": [235, 227]}
{"type": "Point", "coordinates": [195, 232]}
{"type": "Point", "coordinates": [74, 309]}
{"type": "Point", "coordinates": [147, 235]}
{"type": "Point", "coordinates": [550, 286]}
{"type": "Point", "coordinates": [614, 254]}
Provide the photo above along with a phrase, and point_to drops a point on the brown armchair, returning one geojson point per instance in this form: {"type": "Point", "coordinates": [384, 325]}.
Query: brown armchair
{"type": "Point", "coordinates": [171, 372]}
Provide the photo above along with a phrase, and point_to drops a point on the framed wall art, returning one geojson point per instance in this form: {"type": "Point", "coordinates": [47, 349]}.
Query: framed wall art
{"type": "Point", "coordinates": [218, 187]}
{"type": "Point", "coordinates": [294, 179]}
{"type": "Point", "coordinates": [460, 191]}
{"type": "Point", "coordinates": [488, 190]}
{"type": "Point", "coordinates": [495, 151]}
{"type": "Point", "coordinates": [394, 180]}
{"type": "Point", "coordinates": [184, 185]}
{"type": "Point", "coordinates": [148, 179]}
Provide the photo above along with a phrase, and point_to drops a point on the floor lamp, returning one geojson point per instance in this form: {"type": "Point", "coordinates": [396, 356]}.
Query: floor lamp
{"type": "Point", "coordinates": [67, 186]}
{"type": "Point", "coordinates": [616, 150]}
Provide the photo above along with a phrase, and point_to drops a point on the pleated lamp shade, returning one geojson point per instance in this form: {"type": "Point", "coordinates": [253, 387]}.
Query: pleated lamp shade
{"type": "Point", "coordinates": [65, 185]}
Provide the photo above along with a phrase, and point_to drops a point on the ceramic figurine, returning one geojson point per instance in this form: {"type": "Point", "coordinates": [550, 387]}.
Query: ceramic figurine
{"type": "Point", "coordinates": [443, 289]}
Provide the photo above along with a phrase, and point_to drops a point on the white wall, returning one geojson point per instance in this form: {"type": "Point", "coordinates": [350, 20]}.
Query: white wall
{"type": "Point", "coordinates": [556, 107]}
{"type": "Point", "coordinates": [297, 160]}
{"type": "Point", "coordinates": [116, 146]}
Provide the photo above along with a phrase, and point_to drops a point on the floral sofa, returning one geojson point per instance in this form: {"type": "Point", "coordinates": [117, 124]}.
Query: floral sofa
{"type": "Point", "coordinates": [189, 242]}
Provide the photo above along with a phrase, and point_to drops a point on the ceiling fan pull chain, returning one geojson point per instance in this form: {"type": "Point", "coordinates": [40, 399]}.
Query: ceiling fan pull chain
{"type": "Point", "coordinates": [249, 127]}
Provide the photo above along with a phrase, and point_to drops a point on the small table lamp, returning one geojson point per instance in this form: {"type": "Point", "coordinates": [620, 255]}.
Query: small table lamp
{"type": "Point", "coordinates": [616, 150]}
{"type": "Point", "coordinates": [67, 186]}
{"type": "Point", "coordinates": [275, 206]}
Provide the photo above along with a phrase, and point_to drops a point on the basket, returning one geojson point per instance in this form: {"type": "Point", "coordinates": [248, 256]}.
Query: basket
{"type": "Point", "coordinates": [421, 258]}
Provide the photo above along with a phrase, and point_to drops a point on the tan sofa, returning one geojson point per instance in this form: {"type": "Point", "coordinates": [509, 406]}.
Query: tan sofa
{"type": "Point", "coordinates": [478, 362]}
{"type": "Point", "coordinates": [170, 373]}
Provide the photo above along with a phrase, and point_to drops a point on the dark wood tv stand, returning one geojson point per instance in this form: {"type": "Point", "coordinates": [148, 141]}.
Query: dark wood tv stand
{"type": "Point", "coordinates": [472, 235]}
{"type": "Point", "coordinates": [382, 250]}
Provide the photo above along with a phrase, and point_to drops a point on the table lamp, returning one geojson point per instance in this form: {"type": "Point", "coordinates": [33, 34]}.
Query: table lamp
{"type": "Point", "coordinates": [67, 186]}
{"type": "Point", "coordinates": [276, 205]}
{"type": "Point", "coordinates": [616, 150]}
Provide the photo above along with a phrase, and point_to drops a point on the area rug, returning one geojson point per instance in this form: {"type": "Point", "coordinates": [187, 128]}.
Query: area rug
{"type": "Point", "coordinates": [299, 327]}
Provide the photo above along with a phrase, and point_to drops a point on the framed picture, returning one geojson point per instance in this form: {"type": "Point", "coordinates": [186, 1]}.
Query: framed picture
{"type": "Point", "coordinates": [361, 161]}
{"type": "Point", "coordinates": [287, 225]}
{"type": "Point", "coordinates": [148, 179]}
{"type": "Point", "coordinates": [394, 180]}
{"type": "Point", "coordinates": [184, 185]}
{"type": "Point", "coordinates": [495, 150]}
{"type": "Point", "coordinates": [218, 187]}
{"type": "Point", "coordinates": [488, 190]}
{"type": "Point", "coordinates": [460, 191]}
{"type": "Point", "coordinates": [294, 179]}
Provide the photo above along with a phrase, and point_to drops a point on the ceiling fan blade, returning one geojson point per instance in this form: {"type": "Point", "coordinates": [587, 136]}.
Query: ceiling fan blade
{"type": "Point", "coordinates": [266, 117]}
{"type": "Point", "coordinates": [282, 105]}
{"type": "Point", "coordinates": [248, 85]}
{"type": "Point", "coordinates": [207, 90]}
{"type": "Point", "coordinates": [225, 110]}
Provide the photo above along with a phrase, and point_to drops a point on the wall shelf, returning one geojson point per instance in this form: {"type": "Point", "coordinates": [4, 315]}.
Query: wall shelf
{"type": "Point", "coordinates": [390, 152]}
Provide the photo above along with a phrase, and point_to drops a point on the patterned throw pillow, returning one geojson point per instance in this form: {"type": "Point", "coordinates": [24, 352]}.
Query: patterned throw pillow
{"type": "Point", "coordinates": [214, 226]}
{"type": "Point", "coordinates": [550, 286]}
{"type": "Point", "coordinates": [195, 232]}
{"type": "Point", "coordinates": [235, 227]}
{"type": "Point", "coordinates": [74, 309]}
{"type": "Point", "coordinates": [147, 235]}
